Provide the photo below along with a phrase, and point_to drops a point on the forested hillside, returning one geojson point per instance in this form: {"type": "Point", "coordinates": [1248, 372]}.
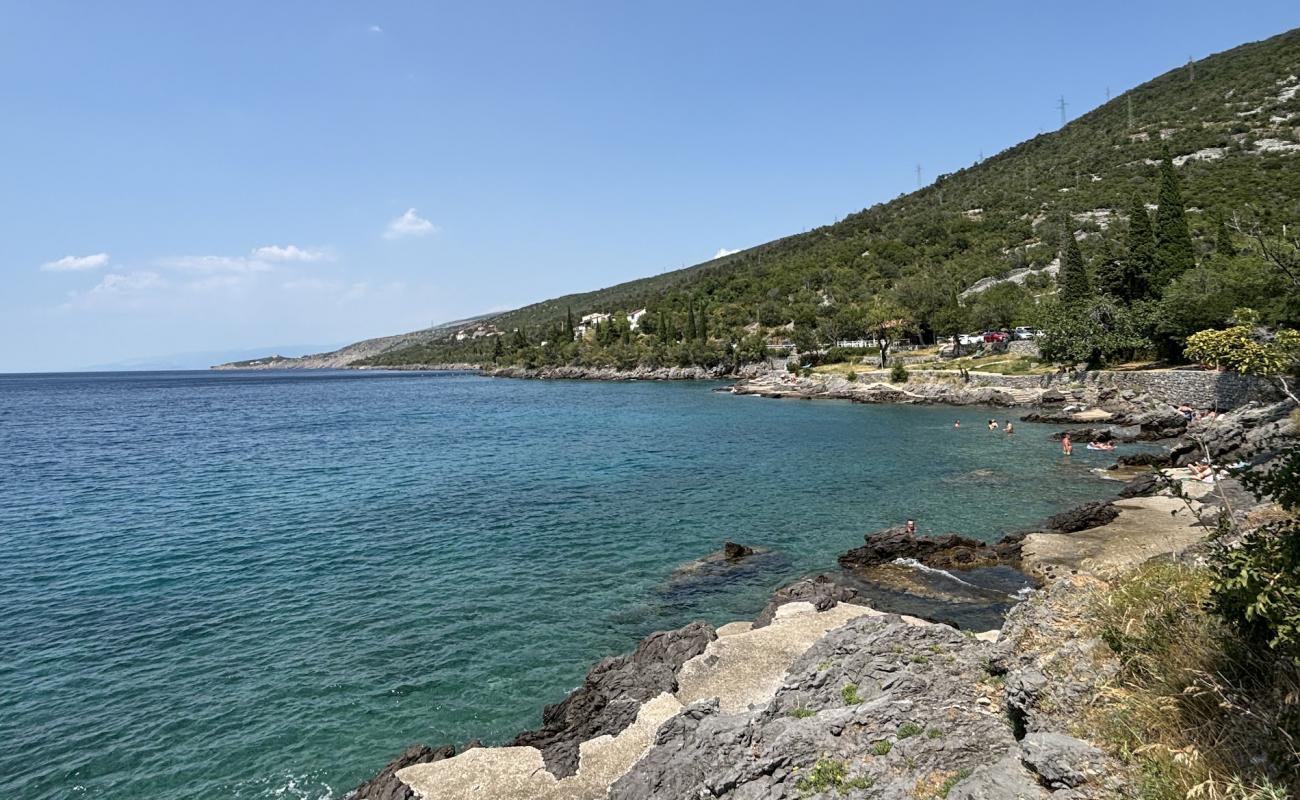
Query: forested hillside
{"type": "Point", "coordinates": [1227, 129]}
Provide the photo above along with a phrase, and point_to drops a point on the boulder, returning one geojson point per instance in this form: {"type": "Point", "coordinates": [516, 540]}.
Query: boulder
{"type": "Point", "coordinates": [1088, 515]}
{"type": "Point", "coordinates": [1124, 433]}
{"type": "Point", "coordinates": [386, 786]}
{"type": "Point", "coordinates": [1144, 485]}
{"type": "Point", "coordinates": [735, 552]}
{"type": "Point", "coordinates": [611, 695]}
{"type": "Point", "coordinates": [1143, 460]}
{"type": "Point", "coordinates": [1062, 761]}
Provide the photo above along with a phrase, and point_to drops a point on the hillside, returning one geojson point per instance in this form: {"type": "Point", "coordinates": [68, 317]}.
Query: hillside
{"type": "Point", "coordinates": [1231, 123]}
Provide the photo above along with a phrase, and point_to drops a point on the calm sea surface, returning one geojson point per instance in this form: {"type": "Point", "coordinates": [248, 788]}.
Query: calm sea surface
{"type": "Point", "coordinates": [265, 585]}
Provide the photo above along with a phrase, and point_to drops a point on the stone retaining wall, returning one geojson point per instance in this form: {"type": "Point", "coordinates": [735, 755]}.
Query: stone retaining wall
{"type": "Point", "coordinates": [1196, 388]}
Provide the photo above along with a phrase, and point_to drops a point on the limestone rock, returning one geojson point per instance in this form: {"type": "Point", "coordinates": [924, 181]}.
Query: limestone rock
{"type": "Point", "coordinates": [610, 697]}
{"type": "Point", "coordinates": [386, 785]}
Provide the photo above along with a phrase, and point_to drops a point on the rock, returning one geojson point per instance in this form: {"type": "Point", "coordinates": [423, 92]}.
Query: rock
{"type": "Point", "coordinates": [822, 591]}
{"type": "Point", "coordinates": [1124, 433]}
{"type": "Point", "coordinates": [875, 679]}
{"type": "Point", "coordinates": [734, 552]}
{"type": "Point", "coordinates": [1062, 762]}
{"type": "Point", "coordinates": [1085, 434]}
{"type": "Point", "coordinates": [1006, 779]}
{"type": "Point", "coordinates": [1143, 485]}
{"type": "Point", "coordinates": [943, 552]}
{"type": "Point", "coordinates": [1088, 515]}
{"type": "Point", "coordinates": [1052, 397]}
{"type": "Point", "coordinates": [609, 698]}
{"type": "Point", "coordinates": [1143, 460]}
{"type": "Point", "coordinates": [1236, 435]}
{"type": "Point", "coordinates": [386, 786]}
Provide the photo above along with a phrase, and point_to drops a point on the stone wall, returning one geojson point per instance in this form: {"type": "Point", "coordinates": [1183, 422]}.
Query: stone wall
{"type": "Point", "coordinates": [1202, 389]}
{"type": "Point", "coordinates": [1196, 388]}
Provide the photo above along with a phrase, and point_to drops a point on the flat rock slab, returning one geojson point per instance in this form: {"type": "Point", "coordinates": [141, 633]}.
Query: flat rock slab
{"type": "Point", "coordinates": [1145, 528]}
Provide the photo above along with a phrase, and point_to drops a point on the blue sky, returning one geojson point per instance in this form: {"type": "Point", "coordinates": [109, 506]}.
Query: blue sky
{"type": "Point", "coordinates": [219, 176]}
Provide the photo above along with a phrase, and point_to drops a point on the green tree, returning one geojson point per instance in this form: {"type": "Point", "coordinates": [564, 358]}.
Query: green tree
{"type": "Point", "coordinates": [568, 322]}
{"type": "Point", "coordinates": [1174, 253]}
{"type": "Point", "coordinates": [887, 321]}
{"type": "Point", "coordinates": [498, 350]}
{"type": "Point", "coordinates": [690, 320]}
{"type": "Point", "coordinates": [1092, 333]}
{"type": "Point", "coordinates": [1140, 259]}
{"type": "Point", "coordinates": [1000, 307]}
{"type": "Point", "coordinates": [1074, 285]}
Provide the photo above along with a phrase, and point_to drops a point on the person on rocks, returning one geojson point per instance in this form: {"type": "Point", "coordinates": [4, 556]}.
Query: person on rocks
{"type": "Point", "coordinates": [1066, 447]}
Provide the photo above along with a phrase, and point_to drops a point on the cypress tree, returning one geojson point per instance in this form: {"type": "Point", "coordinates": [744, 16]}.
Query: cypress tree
{"type": "Point", "coordinates": [1174, 253]}
{"type": "Point", "coordinates": [1140, 263]}
{"type": "Point", "coordinates": [1072, 281]}
{"type": "Point", "coordinates": [690, 320]}
{"type": "Point", "coordinates": [704, 324]}
{"type": "Point", "coordinates": [497, 349]}
{"type": "Point", "coordinates": [1223, 245]}
{"type": "Point", "coordinates": [568, 322]}
{"type": "Point", "coordinates": [1112, 279]}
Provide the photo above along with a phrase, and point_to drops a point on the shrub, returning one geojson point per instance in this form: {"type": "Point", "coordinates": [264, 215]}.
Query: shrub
{"type": "Point", "coordinates": [792, 367]}
{"type": "Point", "coordinates": [828, 774]}
{"type": "Point", "coordinates": [908, 729]}
{"type": "Point", "coordinates": [898, 374]}
{"type": "Point", "coordinates": [852, 376]}
{"type": "Point", "coordinates": [882, 747]}
{"type": "Point", "coordinates": [850, 694]}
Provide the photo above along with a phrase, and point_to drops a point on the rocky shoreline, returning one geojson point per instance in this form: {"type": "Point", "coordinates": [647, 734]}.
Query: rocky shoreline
{"type": "Point", "coordinates": [823, 695]}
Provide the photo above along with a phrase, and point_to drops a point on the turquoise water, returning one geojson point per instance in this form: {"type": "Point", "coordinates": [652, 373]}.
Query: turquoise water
{"type": "Point", "coordinates": [258, 585]}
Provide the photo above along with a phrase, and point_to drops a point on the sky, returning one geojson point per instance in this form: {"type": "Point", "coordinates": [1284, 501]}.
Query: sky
{"type": "Point", "coordinates": [229, 176]}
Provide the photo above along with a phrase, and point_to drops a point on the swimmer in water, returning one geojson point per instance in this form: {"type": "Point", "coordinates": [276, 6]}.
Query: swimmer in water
{"type": "Point", "coordinates": [956, 424]}
{"type": "Point", "coordinates": [1009, 428]}
{"type": "Point", "coordinates": [1066, 447]}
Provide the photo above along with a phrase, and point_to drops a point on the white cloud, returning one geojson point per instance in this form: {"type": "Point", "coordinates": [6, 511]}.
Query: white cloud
{"type": "Point", "coordinates": [119, 283]}
{"type": "Point", "coordinates": [274, 252]}
{"type": "Point", "coordinates": [376, 29]}
{"type": "Point", "coordinates": [409, 224]}
{"type": "Point", "coordinates": [215, 264]}
{"type": "Point", "coordinates": [76, 263]}
{"type": "Point", "coordinates": [722, 251]}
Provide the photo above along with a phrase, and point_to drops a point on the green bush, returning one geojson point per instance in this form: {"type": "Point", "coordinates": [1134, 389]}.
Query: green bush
{"type": "Point", "coordinates": [898, 374]}
{"type": "Point", "coordinates": [852, 376]}
{"type": "Point", "coordinates": [850, 694]}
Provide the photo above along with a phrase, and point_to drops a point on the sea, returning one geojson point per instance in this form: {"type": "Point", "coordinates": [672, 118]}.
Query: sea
{"type": "Point", "coordinates": [267, 584]}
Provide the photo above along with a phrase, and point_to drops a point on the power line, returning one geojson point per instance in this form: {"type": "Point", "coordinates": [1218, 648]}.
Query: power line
{"type": "Point", "coordinates": [1060, 104]}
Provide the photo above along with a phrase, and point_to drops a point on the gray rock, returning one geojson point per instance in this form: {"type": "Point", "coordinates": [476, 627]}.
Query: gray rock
{"type": "Point", "coordinates": [1006, 779]}
{"type": "Point", "coordinates": [1088, 515]}
{"type": "Point", "coordinates": [612, 694]}
{"type": "Point", "coordinates": [1061, 761]}
{"type": "Point", "coordinates": [1144, 485]}
{"type": "Point", "coordinates": [918, 688]}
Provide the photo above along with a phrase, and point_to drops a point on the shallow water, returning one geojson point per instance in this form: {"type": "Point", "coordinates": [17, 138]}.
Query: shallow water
{"type": "Point", "coordinates": [261, 585]}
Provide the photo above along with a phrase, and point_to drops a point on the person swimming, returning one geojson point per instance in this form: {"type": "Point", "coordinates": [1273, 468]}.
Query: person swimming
{"type": "Point", "coordinates": [993, 424]}
{"type": "Point", "coordinates": [1066, 447]}
{"type": "Point", "coordinates": [911, 526]}
{"type": "Point", "coordinates": [1009, 429]}
{"type": "Point", "coordinates": [956, 423]}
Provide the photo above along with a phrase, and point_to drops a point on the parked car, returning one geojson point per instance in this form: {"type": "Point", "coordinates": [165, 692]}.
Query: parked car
{"type": "Point", "coordinates": [995, 336]}
{"type": "Point", "coordinates": [970, 338]}
{"type": "Point", "coordinates": [1027, 333]}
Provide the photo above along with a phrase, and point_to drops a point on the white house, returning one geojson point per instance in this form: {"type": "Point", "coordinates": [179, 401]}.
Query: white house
{"type": "Point", "coordinates": [634, 318]}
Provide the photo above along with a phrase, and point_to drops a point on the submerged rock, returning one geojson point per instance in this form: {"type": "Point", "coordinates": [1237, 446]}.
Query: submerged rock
{"type": "Point", "coordinates": [612, 694]}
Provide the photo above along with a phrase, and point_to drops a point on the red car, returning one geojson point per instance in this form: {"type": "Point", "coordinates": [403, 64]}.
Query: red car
{"type": "Point", "coordinates": [996, 336]}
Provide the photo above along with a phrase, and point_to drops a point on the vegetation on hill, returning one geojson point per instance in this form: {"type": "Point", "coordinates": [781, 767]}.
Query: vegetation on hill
{"type": "Point", "coordinates": [1212, 150]}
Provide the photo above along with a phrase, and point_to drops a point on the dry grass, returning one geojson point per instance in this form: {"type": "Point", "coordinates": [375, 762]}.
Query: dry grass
{"type": "Point", "coordinates": [1200, 714]}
